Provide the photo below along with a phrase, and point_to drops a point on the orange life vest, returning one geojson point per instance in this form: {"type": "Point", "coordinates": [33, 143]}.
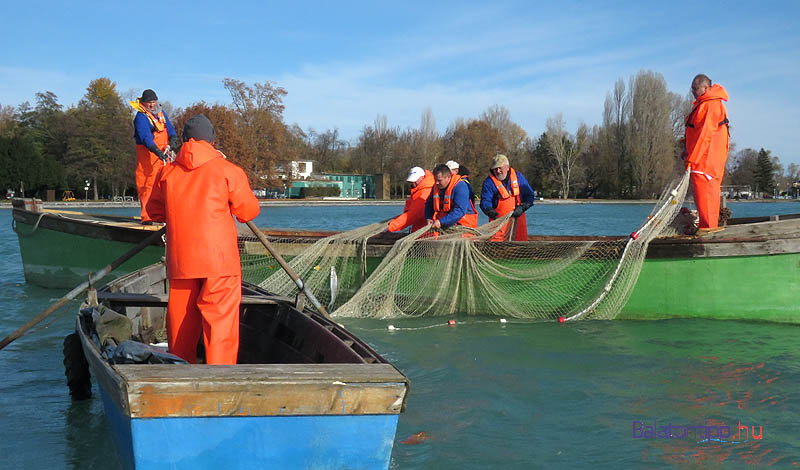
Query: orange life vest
{"type": "Point", "coordinates": [443, 205]}
{"type": "Point", "coordinates": [507, 202]}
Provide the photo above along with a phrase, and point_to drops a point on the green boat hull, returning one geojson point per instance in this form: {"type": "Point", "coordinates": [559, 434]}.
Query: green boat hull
{"type": "Point", "coordinates": [63, 260]}
{"type": "Point", "coordinates": [763, 287]}
{"type": "Point", "coordinates": [749, 271]}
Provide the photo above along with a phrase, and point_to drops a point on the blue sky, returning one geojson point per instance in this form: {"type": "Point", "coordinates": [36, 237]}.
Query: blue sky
{"type": "Point", "coordinates": [343, 63]}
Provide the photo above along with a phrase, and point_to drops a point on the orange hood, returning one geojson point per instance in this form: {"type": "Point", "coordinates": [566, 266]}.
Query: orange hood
{"type": "Point", "coordinates": [196, 153]}
{"type": "Point", "coordinates": [716, 92]}
{"type": "Point", "coordinates": [427, 182]}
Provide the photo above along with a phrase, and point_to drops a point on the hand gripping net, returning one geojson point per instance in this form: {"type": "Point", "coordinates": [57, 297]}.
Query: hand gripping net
{"type": "Point", "coordinates": [461, 271]}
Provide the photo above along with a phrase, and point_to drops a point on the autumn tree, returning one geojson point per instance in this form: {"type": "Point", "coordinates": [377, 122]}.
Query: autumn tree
{"type": "Point", "coordinates": [259, 119]}
{"type": "Point", "coordinates": [473, 144]}
{"type": "Point", "coordinates": [100, 148]}
{"type": "Point", "coordinates": [228, 138]}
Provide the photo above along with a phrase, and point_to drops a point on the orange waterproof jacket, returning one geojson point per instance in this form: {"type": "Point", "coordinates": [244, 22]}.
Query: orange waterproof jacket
{"type": "Point", "coordinates": [196, 197]}
{"type": "Point", "coordinates": [707, 133]}
{"type": "Point", "coordinates": [414, 212]}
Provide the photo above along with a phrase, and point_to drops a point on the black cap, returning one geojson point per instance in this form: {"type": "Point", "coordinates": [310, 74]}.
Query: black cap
{"type": "Point", "coordinates": [198, 128]}
{"type": "Point", "coordinates": [148, 95]}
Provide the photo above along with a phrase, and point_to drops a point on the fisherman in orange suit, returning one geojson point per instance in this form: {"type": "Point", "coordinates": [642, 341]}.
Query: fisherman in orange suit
{"type": "Point", "coordinates": [706, 151]}
{"type": "Point", "coordinates": [422, 182]}
{"type": "Point", "coordinates": [449, 202]}
{"type": "Point", "coordinates": [506, 190]}
{"type": "Point", "coordinates": [197, 196]}
{"type": "Point", "coordinates": [152, 132]}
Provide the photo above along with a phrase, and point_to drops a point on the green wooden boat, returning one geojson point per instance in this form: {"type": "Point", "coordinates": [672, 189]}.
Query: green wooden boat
{"type": "Point", "coordinates": [749, 271]}
{"type": "Point", "coordinates": [60, 248]}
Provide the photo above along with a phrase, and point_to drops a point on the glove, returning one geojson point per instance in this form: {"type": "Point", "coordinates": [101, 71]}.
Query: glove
{"type": "Point", "coordinates": [517, 212]}
{"type": "Point", "coordinates": [492, 214]}
{"type": "Point", "coordinates": [159, 153]}
{"type": "Point", "coordinates": [174, 143]}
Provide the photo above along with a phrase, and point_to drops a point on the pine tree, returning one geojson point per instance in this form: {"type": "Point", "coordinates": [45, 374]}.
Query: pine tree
{"type": "Point", "coordinates": [765, 173]}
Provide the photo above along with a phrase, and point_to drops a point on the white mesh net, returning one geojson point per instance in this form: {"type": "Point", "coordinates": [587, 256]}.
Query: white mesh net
{"type": "Point", "coordinates": [356, 274]}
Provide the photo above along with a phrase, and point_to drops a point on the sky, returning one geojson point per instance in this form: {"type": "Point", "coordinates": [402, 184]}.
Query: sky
{"type": "Point", "coordinates": [344, 63]}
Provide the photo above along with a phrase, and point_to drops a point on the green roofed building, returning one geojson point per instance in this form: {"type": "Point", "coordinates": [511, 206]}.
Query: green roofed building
{"type": "Point", "coordinates": [340, 185]}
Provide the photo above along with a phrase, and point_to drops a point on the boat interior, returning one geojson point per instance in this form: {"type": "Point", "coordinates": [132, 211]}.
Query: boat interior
{"type": "Point", "coordinates": [272, 329]}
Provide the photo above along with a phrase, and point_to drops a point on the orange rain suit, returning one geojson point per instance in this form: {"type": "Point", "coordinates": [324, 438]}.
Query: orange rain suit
{"type": "Point", "coordinates": [196, 196]}
{"type": "Point", "coordinates": [440, 208]}
{"type": "Point", "coordinates": [414, 212]}
{"type": "Point", "coordinates": [707, 150]}
{"type": "Point", "coordinates": [507, 202]}
{"type": "Point", "coordinates": [148, 163]}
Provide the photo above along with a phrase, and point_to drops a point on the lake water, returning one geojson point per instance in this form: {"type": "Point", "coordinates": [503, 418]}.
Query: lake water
{"type": "Point", "coordinates": [485, 394]}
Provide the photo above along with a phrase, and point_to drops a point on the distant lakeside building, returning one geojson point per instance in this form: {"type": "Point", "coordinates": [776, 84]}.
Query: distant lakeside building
{"type": "Point", "coordinates": [305, 183]}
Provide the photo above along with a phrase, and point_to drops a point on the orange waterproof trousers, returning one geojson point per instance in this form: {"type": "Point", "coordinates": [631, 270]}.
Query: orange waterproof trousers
{"type": "Point", "coordinates": [209, 306]}
{"type": "Point", "coordinates": [706, 197]}
{"type": "Point", "coordinates": [147, 166]}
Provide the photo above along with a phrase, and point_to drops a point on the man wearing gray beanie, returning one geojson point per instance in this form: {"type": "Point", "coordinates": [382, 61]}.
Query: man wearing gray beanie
{"type": "Point", "coordinates": [198, 196]}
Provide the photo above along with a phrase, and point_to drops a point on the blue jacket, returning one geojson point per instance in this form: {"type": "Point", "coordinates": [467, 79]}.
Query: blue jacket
{"type": "Point", "coordinates": [461, 204]}
{"type": "Point", "coordinates": [490, 194]}
{"type": "Point", "coordinates": [143, 130]}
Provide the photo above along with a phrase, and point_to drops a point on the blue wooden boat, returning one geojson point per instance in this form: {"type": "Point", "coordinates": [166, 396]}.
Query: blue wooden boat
{"type": "Point", "coordinates": [305, 394]}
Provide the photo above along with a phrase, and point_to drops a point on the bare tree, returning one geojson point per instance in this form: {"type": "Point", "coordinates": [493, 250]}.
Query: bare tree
{"type": "Point", "coordinates": [652, 132]}
{"type": "Point", "coordinates": [565, 149]}
{"type": "Point", "coordinates": [428, 143]}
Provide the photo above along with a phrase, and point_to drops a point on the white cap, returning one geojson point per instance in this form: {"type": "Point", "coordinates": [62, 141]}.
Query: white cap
{"type": "Point", "coordinates": [453, 165]}
{"type": "Point", "coordinates": [415, 174]}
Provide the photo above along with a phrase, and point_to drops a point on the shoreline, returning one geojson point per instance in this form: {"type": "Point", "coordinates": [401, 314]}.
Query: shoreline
{"type": "Point", "coordinates": [360, 202]}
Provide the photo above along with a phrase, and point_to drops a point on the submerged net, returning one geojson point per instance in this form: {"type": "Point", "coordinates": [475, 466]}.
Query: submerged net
{"type": "Point", "coordinates": [461, 271]}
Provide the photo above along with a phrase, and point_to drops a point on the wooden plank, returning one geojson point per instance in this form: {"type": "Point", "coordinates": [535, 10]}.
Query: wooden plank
{"type": "Point", "coordinates": [729, 247]}
{"type": "Point", "coordinates": [289, 373]}
{"type": "Point", "coordinates": [263, 389]}
{"type": "Point", "coordinates": [140, 300]}
{"type": "Point", "coordinates": [247, 398]}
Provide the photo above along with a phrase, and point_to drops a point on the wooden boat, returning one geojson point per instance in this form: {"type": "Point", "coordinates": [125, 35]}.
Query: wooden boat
{"type": "Point", "coordinates": [305, 394]}
{"type": "Point", "coordinates": [747, 271]}
{"type": "Point", "coordinates": [60, 248]}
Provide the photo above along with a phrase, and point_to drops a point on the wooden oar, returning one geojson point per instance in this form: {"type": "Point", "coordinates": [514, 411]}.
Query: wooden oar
{"type": "Point", "coordinates": [74, 292]}
{"type": "Point", "coordinates": [299, 282]}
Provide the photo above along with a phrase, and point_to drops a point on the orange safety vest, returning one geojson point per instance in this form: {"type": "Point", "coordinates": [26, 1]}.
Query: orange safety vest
{"type": "Point", "coordinates": [442, 207]}
{"type": "Point", "coordinates": [148, 163]}
{"type": "Point", "coordinates": [507, 202]}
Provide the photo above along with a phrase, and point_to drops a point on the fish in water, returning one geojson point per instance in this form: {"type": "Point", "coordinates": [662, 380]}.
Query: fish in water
{"type": "Point", "coordinates": [334, 287]}
{"type": "Point", "coordinates": [417, 438]}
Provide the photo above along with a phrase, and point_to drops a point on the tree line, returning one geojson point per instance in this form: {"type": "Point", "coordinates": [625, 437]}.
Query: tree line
{"type": "Point", "coordinates": [631, 155]}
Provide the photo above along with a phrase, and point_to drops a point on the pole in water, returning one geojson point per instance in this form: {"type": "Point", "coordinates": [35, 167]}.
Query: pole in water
{"type": "Point", "coordinates": [299, 282]}
{"type": "Point", "coordinates": [80, 288]}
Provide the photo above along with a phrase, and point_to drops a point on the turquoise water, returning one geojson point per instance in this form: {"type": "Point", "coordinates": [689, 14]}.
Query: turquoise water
{"type": "Point", "coordinates": [485, 394]}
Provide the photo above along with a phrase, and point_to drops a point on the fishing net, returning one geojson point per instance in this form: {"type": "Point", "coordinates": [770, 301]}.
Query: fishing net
{"type": "Point", "coordinates": [460, 270]}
